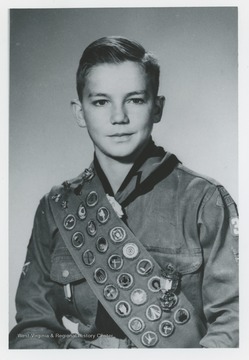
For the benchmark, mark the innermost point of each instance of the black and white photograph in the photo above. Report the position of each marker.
(123, 178)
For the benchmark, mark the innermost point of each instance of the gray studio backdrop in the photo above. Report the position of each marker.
(197, 48)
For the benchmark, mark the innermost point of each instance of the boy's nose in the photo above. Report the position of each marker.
(119, 116)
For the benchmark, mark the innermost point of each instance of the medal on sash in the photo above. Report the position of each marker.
(169, 281)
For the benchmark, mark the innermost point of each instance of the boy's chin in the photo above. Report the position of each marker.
(126, 157)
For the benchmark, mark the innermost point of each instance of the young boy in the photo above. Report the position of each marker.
(137, 251)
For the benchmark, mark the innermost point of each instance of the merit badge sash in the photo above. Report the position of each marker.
(141, 298)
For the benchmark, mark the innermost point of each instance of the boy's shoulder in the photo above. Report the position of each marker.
(196, 184)
(192, 175)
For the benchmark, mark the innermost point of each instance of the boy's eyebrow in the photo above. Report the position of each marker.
(97, 94)
(138, 92)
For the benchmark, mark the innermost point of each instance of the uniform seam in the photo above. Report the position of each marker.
(194, 174)
(209, 194)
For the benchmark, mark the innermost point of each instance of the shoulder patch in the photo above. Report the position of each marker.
(224, 196)
(234, 226)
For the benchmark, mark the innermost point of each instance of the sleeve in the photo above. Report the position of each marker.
(219, 238)
(37, 311)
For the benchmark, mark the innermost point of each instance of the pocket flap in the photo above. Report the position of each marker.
(63, 268)
(185, 261)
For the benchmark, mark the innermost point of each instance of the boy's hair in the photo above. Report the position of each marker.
(115, 50)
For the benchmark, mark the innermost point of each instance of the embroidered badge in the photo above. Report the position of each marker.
(88, 257)
(82, 212)
(91, 228)
(153, 312)
(78, 240)
(110, 292)
(92, 199)
(103, 215)
(136, 325)
(125, 281)
(181, 316)
(225, 196)
(102, 244)
(144, 267)
(166, 328)
(117, 234)
(149, 338)
(69, 222)
(115, 262)
(123, 308)
(100, 276)
(138, 297)
(154, 284)
(234, 226)
(130, 250)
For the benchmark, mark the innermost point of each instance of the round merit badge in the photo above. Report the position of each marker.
(110, 292)
(102, 244)
(69, 222)
(115, 262)
(103, 215)
(154, 284)
(181, 316)
(88, 257)
(136, 325)
(138, 297)
(145, 267)
(125, 281)
(91, 228)
(78, 240)
(92, 199)
(149, 338)
(123, 308)
(117, 234)
(166, 328)
(100, 276)
(130, 250)
(81, 212)
(153, 312)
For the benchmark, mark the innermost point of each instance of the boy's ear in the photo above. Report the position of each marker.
(158, 109)
(78, 112)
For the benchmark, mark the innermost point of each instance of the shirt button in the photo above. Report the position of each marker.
(65, 273)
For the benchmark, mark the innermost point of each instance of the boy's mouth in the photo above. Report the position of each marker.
(121, 137)
(120, 134)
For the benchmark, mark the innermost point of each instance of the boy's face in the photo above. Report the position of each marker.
(118, 109)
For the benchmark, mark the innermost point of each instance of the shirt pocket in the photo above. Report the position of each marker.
(188, 263)
(63, 268)
(77, 292)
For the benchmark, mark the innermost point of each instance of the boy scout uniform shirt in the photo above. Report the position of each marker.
(183, 219)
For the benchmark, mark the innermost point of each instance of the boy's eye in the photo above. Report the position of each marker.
(137, 101)
(100, 102)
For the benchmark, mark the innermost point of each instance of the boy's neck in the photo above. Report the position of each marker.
(115, 171)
